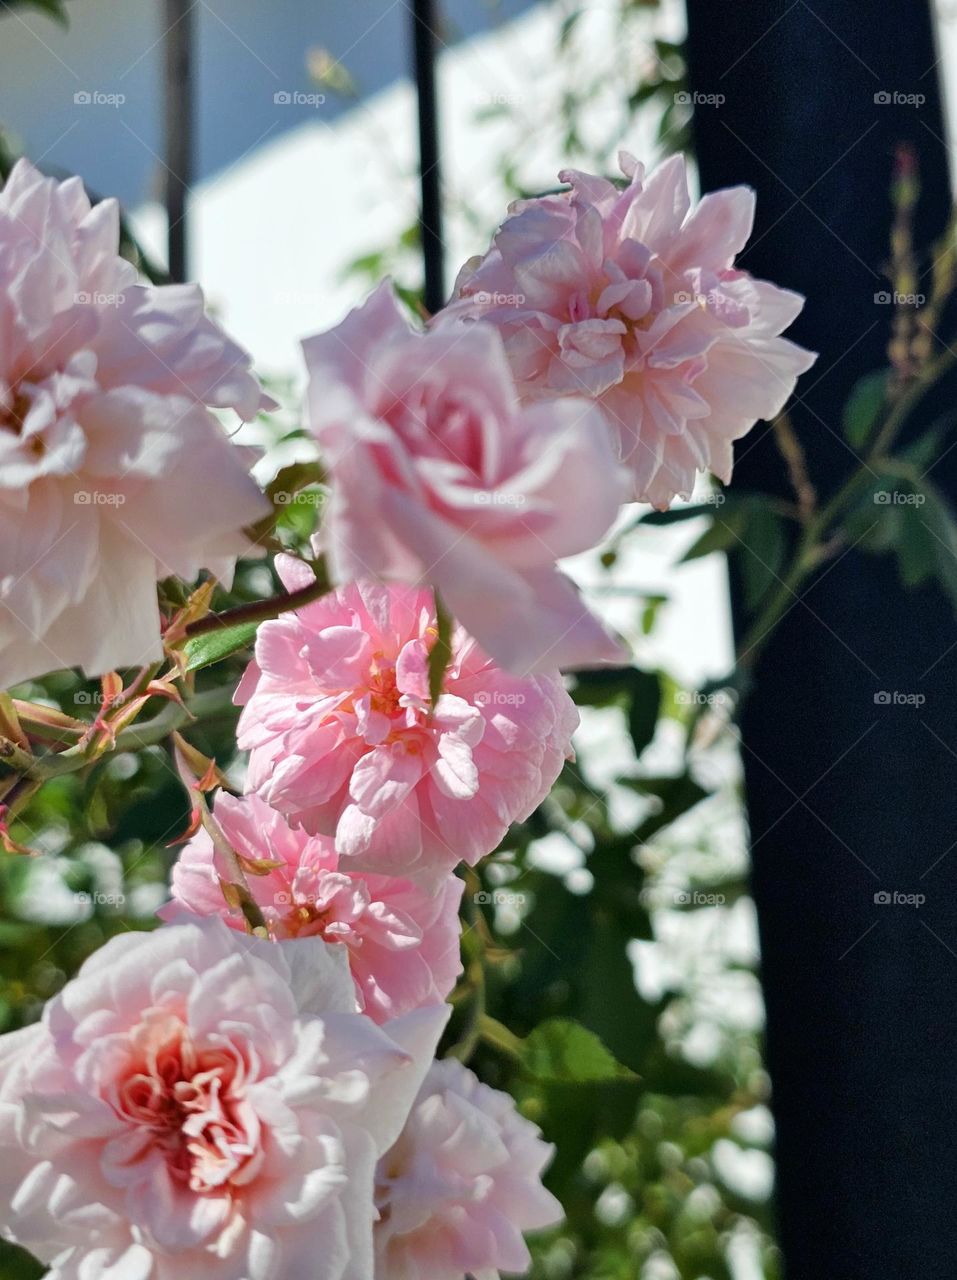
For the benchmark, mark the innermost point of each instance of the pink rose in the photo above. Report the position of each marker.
(401, 942)
(441, 477)
(343, 738)
(632, 297)
(199, 1103)
(461, 1184)
(113, 471)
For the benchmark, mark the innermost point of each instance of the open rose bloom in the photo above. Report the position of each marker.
(105, 438)
(402, 943)
(441, 476)
(461, 1184)
(201, 1104)
(343, 738)
(632, 297)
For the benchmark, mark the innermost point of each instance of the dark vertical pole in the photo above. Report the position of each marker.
(850, 796)
(178, 108)
(425, 19)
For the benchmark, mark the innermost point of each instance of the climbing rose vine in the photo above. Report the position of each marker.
(258, 1088)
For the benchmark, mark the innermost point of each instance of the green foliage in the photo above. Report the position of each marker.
(206, 650)
(902, 513)
(639, 692)
(748, 526)
(864, 406)
(55, 9)
(560, 1051)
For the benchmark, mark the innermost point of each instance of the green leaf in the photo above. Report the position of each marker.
(441, 651)
(283, 490)
(916, 549)
(761, 552)
(649, 614)
(644, 709)
(577, 1118)
(53, 8)
(721, 536)
(904, 513)
(574, 957)
(204, 650)
(604, 686)
(863, 407)
(563, 1051)
(675, 796)
(639, 691)
(292, 479)
(923, 452)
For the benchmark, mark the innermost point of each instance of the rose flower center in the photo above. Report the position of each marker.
(190, 1100)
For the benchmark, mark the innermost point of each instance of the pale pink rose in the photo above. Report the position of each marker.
(344, 741)
(441, 477)
(200, 1103)
(402, 942)
(632, 297)
(461, 1184)
(113, 471)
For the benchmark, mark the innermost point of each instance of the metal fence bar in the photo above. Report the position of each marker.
(425, 20)
(178, 143)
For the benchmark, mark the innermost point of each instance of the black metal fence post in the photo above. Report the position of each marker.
(425, 20)
(178, 143)
(849, 797)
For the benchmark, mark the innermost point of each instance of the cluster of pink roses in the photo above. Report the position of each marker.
(203, 1101)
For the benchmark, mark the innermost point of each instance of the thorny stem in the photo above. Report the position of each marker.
(262, 610)
(252, 912)
(474, 973)
(902, 410)
(812, 545)
(145, 734)
(791, 451)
